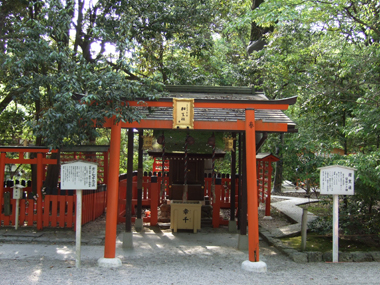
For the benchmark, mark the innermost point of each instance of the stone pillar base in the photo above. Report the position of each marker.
(138, 225)
(243, 242)
(109, 262)
(232, 227)
(127, 238)
(258, 266)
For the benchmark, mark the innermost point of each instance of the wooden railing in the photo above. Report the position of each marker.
(222, 194)
(57, 210)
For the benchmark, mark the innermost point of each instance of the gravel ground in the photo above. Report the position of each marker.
(161, 257)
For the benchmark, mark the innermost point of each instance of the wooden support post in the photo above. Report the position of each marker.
(40, 173)
(243, 208)
(140, 175)
(128, 206)
(216, 204)
(2, 169)
(269, 189)
(112, 192)
(253, 213)
(154, 188)
(233, 178)
(105, 163)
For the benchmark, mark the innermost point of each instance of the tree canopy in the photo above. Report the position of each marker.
(328, 54)
(104, 51)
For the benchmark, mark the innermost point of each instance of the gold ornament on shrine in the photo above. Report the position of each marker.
(229, 143)
(147, 142)
(183, 113)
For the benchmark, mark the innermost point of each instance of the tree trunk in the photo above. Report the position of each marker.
(52, 175)
(308, 188)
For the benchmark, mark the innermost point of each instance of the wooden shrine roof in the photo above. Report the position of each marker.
(217, 95)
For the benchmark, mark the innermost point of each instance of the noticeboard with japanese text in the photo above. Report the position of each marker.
(183, 113)
(79, 175)
(337, 180)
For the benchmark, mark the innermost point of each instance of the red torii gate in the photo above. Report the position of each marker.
(249, 125)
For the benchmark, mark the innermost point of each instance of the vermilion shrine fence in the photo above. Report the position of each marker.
(151, 192)
(59, 210)
(49, 210)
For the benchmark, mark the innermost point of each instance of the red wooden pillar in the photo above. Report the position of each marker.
(252, 199)
(2, 168)
(40, 175)
(112, 192)
(154, 200)
(105, 166)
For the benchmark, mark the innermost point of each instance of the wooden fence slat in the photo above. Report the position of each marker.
(69, 212)
(54, 210)
(30, 212)
(46, 215)
(13, 213)
(62, 206)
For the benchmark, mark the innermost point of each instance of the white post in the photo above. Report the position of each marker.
(78, 233)
(17, 212)
(335, 228)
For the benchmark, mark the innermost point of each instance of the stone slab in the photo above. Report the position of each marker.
(22, 234)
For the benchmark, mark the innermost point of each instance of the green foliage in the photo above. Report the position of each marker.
(367, 179)
(324, 244)
(359, 213)
(51, 55)
(11, 126)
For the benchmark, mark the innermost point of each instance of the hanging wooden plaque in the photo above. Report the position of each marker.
(183, 113)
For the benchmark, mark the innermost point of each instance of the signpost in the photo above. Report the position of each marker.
(336, 180)
(79, 175)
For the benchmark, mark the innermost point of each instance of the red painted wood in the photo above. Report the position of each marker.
(30, 212)
(54, 210)
(61, 211)
(253, 217)
(46, 214)
(216, 207)
(154, 203)
(69, 218)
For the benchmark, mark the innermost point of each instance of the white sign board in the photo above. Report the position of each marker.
(337, 180)
(79, 175)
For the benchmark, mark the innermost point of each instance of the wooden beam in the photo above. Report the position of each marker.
(228, 104)
(26, 149)
(205, 125)
(29, 161)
